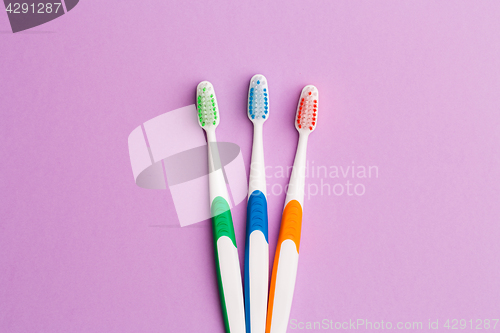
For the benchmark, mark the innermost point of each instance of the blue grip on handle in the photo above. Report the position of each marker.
(256, 220)
(257, 213)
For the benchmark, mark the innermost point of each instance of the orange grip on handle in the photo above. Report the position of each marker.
(291, 224)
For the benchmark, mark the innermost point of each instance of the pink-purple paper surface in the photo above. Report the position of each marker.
(410, 98)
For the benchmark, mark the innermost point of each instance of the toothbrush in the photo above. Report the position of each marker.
(257, 244)
(226, 253)
(287, 250)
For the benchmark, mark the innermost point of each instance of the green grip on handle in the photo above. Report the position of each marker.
(222, 225)
(222, 220)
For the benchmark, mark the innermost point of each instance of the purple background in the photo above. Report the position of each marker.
(410, 86)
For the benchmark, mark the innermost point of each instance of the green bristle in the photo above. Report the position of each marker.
(207, 104)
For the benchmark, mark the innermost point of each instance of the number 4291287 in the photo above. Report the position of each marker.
(39, 8)
(478, 324)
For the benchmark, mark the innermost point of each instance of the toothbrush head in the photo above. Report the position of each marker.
(206, 103)
(258, 99)
(307, 110)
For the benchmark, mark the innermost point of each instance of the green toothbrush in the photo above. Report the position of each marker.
(226, 253)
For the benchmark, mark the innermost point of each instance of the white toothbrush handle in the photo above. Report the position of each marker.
(257, 179)
(216, 178)
(287, 250)
(226, 252)
(256, 246)
(256, 281)
(298, 178)
(229, 279)
(282, 286)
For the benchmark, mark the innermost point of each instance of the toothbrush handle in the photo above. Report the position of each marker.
(256, 263)
(284, 269)
(228, 267)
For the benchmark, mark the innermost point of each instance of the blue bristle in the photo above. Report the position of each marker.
(258, 82)
(263, 116)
